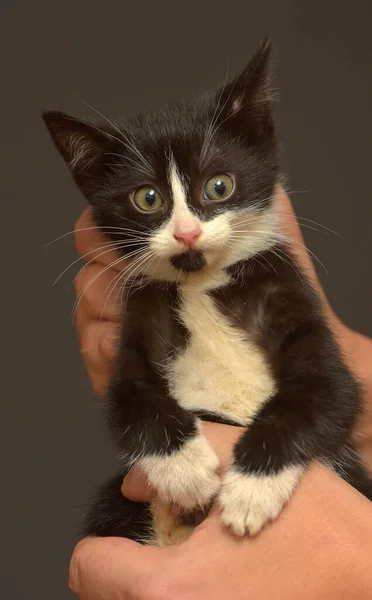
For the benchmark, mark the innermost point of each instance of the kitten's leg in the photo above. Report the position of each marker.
(347, 464)
(157, 435)
(250, 497)
(110, 514)
(262, 478)
(309, 417)
(273, 452)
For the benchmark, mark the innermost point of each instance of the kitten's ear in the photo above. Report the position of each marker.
(248, 95)
(82, 147)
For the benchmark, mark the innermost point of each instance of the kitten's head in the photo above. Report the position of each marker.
(185, 189)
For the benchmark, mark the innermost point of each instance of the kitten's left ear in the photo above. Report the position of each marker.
(248, 95)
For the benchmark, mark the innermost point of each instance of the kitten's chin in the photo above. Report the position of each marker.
(191, 261)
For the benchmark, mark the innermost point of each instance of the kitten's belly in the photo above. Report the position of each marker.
(220, 370)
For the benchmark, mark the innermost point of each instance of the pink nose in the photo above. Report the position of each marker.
(188, 238)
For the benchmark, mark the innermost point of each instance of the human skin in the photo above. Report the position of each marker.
(320, 546)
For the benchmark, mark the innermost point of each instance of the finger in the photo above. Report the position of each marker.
(102, 568)
(99, 292)
(222, 438)
(90, 244)
(135, 487)
(98, 341)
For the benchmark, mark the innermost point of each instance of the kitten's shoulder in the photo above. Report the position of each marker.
(258, 284)
(151, 317)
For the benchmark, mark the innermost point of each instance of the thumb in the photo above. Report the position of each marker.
(102, 568)
(213, 529)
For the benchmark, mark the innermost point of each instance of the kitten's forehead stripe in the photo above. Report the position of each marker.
(177, 184)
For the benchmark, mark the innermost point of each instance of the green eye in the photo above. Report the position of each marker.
(218, 187)
(147, 199)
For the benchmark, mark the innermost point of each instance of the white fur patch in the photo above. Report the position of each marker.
(221, 369)
(248, 502)
(178, 188)
(186, 477)
(182, 219)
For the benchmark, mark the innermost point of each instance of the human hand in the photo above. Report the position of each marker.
(98, 313)
(319, 548)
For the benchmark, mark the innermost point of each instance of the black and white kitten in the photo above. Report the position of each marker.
(221, 326)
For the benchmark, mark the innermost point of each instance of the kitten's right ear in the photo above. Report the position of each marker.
(247, 98)
(82, 147)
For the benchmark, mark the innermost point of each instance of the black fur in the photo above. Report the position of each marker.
(110, 514)
(313, 412)
(191, 261)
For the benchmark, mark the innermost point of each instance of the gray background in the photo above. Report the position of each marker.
(123, 55)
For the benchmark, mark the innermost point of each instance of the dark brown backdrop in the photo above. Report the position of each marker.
(122, 55)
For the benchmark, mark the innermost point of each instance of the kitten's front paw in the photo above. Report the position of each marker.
(248, 502)
(186, 477)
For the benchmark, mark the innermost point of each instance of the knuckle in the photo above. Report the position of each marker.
(80, 565)
(82, 226)
(87, 564)
(162, 586)
(88, 342)
(84, 278)
(99, 384)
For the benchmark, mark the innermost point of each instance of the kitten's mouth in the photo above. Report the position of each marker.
(191, 261)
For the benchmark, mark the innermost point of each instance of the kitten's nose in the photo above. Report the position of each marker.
(188, 237)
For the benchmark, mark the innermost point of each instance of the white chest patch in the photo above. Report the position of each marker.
(220, 370)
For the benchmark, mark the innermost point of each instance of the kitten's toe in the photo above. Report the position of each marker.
(186, 477)
(248, 502)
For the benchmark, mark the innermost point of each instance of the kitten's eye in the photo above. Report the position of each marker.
(148, 199)
(218, 187)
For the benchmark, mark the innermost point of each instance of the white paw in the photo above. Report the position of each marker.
(186, 477)
(248, 502)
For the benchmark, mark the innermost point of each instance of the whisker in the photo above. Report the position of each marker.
(110, 247)
(140, 263)
(134, 281)
(110, 231)
(257, 260)
(102, 271)
(298, 218)
(289, 260)
(134, 252)
(269, 263)
(126, 141)
(120, 275)
(210, 124)
(213, 128)
(289, 242)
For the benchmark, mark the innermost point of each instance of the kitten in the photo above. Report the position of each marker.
(219, 324)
